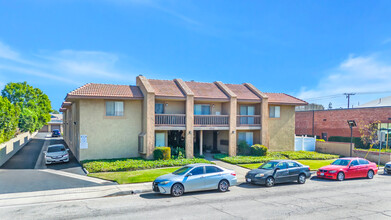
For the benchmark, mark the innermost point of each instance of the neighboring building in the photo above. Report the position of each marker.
(54, 123)
(333, 122)
(309, 107)
(381, 102)
(120, 121)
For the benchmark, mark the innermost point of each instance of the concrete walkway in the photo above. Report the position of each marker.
(240, 171)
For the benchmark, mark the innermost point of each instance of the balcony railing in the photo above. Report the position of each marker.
(211, 120)
(248, 120)
(170, 119)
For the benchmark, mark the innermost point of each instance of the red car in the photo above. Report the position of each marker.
(348, 168)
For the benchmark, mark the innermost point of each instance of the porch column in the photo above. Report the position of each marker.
(189, 136)
(200, 142)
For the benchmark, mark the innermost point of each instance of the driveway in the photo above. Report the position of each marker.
(26, 170)
(27, 157)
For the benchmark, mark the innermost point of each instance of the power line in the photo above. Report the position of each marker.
(339, 95)
(348, 97)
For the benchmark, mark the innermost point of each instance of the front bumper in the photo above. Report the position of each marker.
(164, 189)
(49, 160)
(255, 180)
(326, 175)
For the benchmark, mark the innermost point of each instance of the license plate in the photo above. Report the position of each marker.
(322, 174)
(248, 180)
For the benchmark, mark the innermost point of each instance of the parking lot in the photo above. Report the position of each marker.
(26, 170)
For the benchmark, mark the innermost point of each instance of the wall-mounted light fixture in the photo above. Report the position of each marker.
(74, 122)
(189, 132)
(233, 132)
(213, 105)
(166, 104)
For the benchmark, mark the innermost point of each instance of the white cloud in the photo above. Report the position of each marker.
(65, 66)
(357, 74)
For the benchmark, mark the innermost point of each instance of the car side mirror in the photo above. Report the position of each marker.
(189, 174)
(44, 152)
(67, 150)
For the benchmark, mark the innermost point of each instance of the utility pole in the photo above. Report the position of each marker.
(348, 97)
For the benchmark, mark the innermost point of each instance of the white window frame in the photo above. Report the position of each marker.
(202, 105)
(275, 111)
(160, 139)
(118, 112)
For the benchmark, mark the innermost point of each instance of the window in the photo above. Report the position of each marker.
(159, 108)
(197, 171)
(274, 112)
(114, 108)
(246, 136)
(292, 165)
(201, 109)
(362, 161)
(212, 169)
(282, 165)
(354, 163)
(247, 110)
(160, 139)
(340, 162)
(181, 171)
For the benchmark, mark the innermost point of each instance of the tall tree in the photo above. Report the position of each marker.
(8, 119)
(34, 104)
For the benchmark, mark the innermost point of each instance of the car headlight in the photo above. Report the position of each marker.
(164, 182)
(332, 171)
(259, 175)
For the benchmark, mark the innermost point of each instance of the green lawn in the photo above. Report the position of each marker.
(314, 164)
(139, 176)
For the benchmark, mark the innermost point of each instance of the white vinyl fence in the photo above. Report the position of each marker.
(305, 143)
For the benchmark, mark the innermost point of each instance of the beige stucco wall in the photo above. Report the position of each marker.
(282, 130)
(329, 147)
(110, 137)
(173, 107)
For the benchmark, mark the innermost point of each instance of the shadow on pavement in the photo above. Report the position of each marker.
(165, 196)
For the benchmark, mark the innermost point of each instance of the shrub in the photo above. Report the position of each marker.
(308, 155)
(243, 148)
(162, 153)
(320, 140)
(258, 150)
(131, 164)
(178, 152)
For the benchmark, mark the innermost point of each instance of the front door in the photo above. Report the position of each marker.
(354, 170)
(294, 170)
(196, 181)
(213, 175)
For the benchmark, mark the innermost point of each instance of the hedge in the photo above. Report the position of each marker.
(258, 150)
(130, 164)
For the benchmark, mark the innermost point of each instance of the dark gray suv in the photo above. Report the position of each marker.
(279, 171)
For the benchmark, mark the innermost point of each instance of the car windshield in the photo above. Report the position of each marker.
(181, 171)
(269, 165)
(56, 149)
(340, 162)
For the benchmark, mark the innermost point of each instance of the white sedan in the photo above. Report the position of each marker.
(56, 154)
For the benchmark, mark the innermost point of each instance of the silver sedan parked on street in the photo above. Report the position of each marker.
(195, 177)
(56, 154)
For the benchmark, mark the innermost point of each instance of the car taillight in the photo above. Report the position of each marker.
(233, 174)
(309, 168)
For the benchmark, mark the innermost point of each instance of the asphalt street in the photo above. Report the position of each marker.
(317, 199)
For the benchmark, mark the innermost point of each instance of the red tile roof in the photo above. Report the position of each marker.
(166, 88)
(282, 98)
(94, 90)
(242, 92)
(206, 90)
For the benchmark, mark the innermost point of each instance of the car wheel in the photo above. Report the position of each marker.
(301, 179)
(223, 186)
(270, 181)
(340, 176)
(370, 174)
(177, 190)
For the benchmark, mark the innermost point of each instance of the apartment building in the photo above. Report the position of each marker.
(103, 121)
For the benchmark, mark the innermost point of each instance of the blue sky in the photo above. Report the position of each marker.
(315, 50)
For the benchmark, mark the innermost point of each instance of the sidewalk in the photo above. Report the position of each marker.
(42, 197)
(240, 171)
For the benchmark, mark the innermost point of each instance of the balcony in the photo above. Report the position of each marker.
(178, 120)
(248, 120)
(211, 120)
